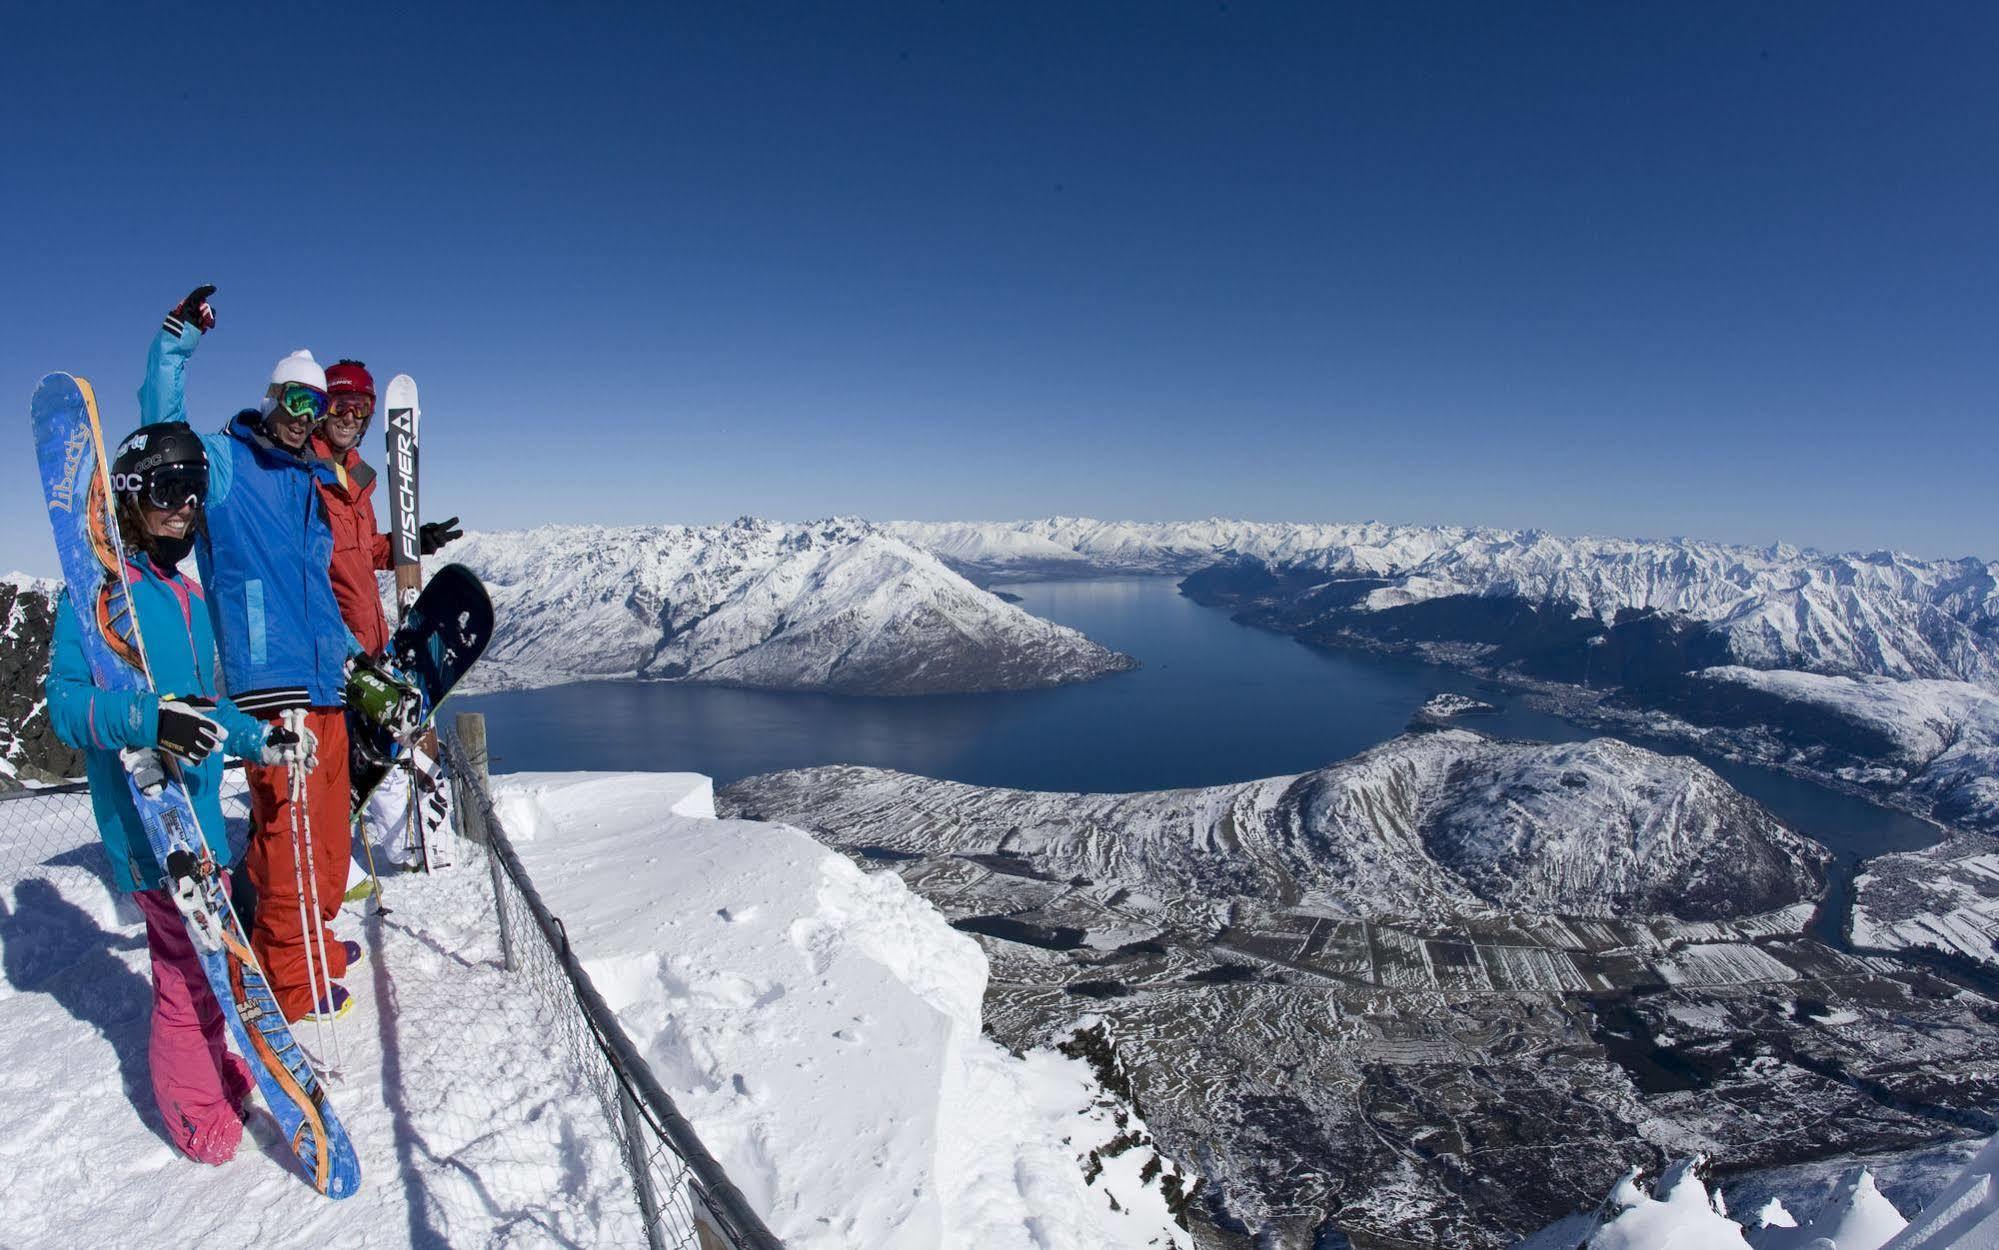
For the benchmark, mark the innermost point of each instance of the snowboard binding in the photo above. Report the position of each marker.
(384, 699)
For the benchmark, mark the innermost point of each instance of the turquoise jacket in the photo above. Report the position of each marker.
(264, 551)
(180, 649)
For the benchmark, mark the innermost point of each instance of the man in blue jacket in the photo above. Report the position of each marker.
(263, 552)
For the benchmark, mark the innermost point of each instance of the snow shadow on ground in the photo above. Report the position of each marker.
(49, 945)
(422, 1234)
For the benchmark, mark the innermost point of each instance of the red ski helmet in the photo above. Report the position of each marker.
(349, 376)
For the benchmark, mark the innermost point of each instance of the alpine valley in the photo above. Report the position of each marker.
(1444, 993)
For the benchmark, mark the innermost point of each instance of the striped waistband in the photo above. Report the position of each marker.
(272, 700)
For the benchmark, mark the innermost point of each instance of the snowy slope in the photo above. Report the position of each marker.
(821, 1028)
(1944, 897)
(471, 1127)
(833, 605)
(1965, 1216)
(1945, 734)
(1682, 1214)
(1880, 613)
(28, 581)
(1678, 1215)
(1854, 1216)
(1425, 824)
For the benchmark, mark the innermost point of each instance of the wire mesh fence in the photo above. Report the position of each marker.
(495, 1097)
(685, 1198)
(49, 833)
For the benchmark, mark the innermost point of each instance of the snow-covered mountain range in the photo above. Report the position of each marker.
(1774, 607)
(835, 605)
(1449, 822)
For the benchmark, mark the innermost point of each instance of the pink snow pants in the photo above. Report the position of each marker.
(197, 1082)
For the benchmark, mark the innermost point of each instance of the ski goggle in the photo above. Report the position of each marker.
(176, 486)
(353, 406)
(306, 403)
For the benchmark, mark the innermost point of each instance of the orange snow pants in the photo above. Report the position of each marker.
(277, 935)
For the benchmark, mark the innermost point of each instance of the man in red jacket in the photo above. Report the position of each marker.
(360, 549)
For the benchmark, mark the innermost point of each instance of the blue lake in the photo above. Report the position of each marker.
(1215, 702)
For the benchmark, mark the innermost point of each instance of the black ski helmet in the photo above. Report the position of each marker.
(163, 464)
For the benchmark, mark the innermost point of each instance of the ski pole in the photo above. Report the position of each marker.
(416, 821)
(293, 720)
(413, 850)
(319, 923)
(360, 826)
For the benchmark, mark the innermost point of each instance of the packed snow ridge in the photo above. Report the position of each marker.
(819, 1027)
(1682, 1213)
(837, 605)
(1426, 824)
(1778, 607)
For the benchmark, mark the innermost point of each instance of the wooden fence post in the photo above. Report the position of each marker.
(474, 792)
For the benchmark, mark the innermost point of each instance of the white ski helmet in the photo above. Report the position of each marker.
(297, 367)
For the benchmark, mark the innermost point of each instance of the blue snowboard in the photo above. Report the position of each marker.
(69, 444)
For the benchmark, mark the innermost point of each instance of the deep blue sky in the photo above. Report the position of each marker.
(1723, 270)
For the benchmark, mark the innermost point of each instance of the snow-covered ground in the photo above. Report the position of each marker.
(470, 1131)
(818, 1025)
(1965, 1216)
(1445, 705)
(29, 582)
(1945, 898)
(821, 1028)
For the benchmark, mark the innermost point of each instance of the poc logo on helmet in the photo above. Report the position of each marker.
(128, 483)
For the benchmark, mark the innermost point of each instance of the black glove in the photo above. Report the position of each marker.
(194, 309)
(430, 537)
(184, 732)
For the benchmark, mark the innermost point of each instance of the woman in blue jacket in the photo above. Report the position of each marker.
(160, 478)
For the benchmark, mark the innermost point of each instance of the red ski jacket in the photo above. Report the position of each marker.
(359, 548)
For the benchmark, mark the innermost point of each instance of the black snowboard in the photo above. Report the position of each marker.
(445, 631)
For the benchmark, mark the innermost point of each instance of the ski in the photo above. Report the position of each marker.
(403, 431)
(444, 633)
(76, 482)
(405, 546)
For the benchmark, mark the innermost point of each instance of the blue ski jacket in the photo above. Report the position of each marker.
(180, 650)
(264, 550)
